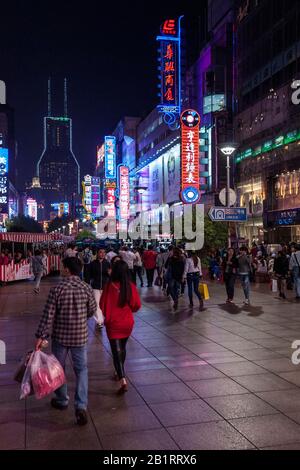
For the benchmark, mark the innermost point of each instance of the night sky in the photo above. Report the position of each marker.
(108, 52)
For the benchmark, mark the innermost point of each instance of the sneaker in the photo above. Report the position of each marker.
(247, 302)
(99, 326)
(123, 386)
(37, 291)
(58, 406)
(81, 417)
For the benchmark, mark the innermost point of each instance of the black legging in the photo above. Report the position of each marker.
(118, 349)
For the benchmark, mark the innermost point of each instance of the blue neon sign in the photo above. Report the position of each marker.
(4, 185)
(110, 157)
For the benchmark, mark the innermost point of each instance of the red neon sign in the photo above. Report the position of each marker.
(190, 165)
(169, 27)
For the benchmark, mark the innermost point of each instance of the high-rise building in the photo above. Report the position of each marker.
(57, 167)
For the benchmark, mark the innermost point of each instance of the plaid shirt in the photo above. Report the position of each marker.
(68, 307)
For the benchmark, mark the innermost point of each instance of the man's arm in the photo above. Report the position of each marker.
(47, 318)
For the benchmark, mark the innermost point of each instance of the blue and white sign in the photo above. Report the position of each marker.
(228, 214)
(110, 157)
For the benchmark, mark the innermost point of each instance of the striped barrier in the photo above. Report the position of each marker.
(21, 271)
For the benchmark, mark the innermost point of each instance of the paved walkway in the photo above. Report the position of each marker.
(220, 379)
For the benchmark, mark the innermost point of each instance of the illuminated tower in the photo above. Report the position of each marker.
(58, 168)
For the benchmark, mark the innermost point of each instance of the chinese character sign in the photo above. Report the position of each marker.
(95, 195)
(169, 55)
(110, 157)
(124, 192)
(4, 184)
(190, 165)
(110, 206)
(87, 193)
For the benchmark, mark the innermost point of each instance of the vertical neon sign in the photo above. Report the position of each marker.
(190, 165)
(170, 70)
(124, 192)
(110, 157)
(4, 181)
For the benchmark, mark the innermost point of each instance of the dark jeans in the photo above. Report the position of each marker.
(79, 360)
(193, 280)
(150, 276)
(174, 287)
(132, 275)
(118, 349)
(229, 283)
(138, 270)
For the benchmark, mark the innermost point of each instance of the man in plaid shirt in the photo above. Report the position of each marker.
(67, 310)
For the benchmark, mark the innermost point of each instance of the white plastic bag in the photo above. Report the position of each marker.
(26, 384)
(47, 374)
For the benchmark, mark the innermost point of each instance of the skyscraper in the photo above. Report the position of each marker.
(58, 169)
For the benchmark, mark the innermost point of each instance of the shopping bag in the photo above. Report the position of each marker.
(26, 384)
(274, 285)
(158, 281)
(203, 289)
(47, 374)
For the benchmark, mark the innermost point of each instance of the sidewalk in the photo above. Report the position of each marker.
(220, 379)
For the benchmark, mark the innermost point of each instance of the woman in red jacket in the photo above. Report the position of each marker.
(119, 300)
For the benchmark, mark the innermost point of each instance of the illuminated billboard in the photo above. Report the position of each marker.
(100, 155)
(190, 165)
(31, 205)
(110, 157)
(61, 208)
(4, 185)
(87, 193)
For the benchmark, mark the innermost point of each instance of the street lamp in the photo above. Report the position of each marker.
(228, 150)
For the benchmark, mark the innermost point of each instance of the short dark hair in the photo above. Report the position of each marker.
(36, 252)
(73, 264)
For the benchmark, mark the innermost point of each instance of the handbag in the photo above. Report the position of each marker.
(158, 281)
(203, 289)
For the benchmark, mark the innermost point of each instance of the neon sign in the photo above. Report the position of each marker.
(111, 199)
(4, 185)
(124, 192)
(95, 195)
(110, 157)
(190, 165)
(170, 70)
(87, 193)
(100, 155)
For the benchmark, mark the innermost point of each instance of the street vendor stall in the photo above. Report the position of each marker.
(22, 270)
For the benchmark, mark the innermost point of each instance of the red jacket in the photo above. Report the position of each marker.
(4, 261)
(119, 321)
(149, 259)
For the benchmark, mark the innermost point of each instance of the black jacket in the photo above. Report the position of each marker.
(281, 265)
(98, 273)
(175, 266)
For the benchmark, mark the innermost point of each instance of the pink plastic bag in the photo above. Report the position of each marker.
(46, 374)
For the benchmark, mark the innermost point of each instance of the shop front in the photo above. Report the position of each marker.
(251, 195)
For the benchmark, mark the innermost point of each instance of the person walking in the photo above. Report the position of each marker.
(71, 251)
(129, 257)
(138, 266)
(110, 254)
(281, 269)
(175, 271)
(119, 301)
(149, 261)
(37, 269)
(99, 273)
(193, 273)
(230, 267)
(244, 271)
(68, 307)
(87, 258)
(294, 267)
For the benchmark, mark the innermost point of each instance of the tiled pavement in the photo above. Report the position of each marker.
(220, 379)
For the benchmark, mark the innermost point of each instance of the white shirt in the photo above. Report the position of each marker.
(128, 257)
(190, 267)
(138, 260)
(110, 255)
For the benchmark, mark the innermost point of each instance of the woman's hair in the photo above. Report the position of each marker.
(120, 273)
(195, 259)
(177, 253)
